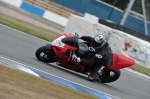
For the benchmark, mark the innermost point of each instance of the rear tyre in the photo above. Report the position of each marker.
(45, 55)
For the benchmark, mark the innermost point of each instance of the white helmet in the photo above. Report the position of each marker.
(99, 41)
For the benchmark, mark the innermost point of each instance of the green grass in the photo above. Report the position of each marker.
(141, 69)
(28, 28)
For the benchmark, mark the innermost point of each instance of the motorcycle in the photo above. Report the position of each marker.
(64, 46)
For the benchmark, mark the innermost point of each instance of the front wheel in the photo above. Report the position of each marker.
(45, 55)
(110, 76)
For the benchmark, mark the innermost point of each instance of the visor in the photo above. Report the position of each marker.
(95, 44)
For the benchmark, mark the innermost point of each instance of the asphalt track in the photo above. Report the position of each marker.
(21, 47)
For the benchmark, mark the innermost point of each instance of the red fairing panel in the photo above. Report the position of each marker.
(121, 61)
(65, 60)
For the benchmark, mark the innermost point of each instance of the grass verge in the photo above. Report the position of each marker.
(41, 18)
(28, 28)
(141, 69)
(47, 35)
(18, 85)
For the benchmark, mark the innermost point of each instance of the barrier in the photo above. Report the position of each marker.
(119, 41)
(33, 9)
(38, 11)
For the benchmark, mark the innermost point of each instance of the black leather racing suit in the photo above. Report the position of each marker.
(103, 55)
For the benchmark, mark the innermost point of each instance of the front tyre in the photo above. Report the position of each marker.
(45, 55)
(111, 76)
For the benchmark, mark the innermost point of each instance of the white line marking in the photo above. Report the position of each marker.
(27, 70)
(137, 74)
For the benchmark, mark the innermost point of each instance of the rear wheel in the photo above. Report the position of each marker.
(110, 76)
(45, 55)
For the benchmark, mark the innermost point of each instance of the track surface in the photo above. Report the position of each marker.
(21, 47)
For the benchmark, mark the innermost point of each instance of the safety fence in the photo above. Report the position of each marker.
(54, 7)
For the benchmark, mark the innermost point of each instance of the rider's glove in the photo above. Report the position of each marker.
(79, 36)
(75, 58)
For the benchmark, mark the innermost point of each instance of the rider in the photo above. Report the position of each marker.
(103, 55)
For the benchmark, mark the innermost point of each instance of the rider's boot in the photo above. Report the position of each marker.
(101, 70)
(94, 74)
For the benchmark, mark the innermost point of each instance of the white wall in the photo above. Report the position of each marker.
(119, 41)
(55, 18)
(16, 3)
(91, 18)
(84, 27)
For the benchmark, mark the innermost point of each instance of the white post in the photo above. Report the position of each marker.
(144, 13)
(127, 12)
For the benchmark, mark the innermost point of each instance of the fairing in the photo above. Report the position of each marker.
(60, 49)
(121, 61)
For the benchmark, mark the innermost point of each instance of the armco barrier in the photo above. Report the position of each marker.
(120, 42)
(38, 11)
